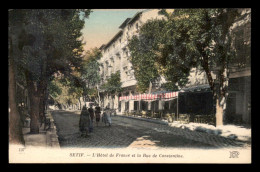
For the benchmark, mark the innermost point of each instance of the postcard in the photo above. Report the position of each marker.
(150, 86)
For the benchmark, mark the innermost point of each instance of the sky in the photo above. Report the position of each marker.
(102, 25)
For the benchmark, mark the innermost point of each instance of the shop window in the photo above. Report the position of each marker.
(155, 106)
(144, 105)
(136, 105)
(173, 105)
(167, 105)
(119, 106)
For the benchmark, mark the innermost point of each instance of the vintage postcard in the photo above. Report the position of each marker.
(130, 86)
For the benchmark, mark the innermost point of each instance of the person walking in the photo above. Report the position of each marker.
(84, 122)
(97, 114)
(91, 112)
(107, 116)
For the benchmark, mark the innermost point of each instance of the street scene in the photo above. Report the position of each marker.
(144, 79)
(126, 132)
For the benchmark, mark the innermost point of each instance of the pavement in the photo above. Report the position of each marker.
(138, 133)
(46, 138)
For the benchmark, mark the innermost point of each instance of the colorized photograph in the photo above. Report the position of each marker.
(129, 85)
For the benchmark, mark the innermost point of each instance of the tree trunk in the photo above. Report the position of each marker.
(98, 97)
(79, 104)
(42, 101)
(34, 127)
(219, 113)
(15, 126)
(221, 93)
(34, 104)
(42, 110)
(219, 87)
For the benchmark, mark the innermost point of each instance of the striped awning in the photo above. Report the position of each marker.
(169, 95)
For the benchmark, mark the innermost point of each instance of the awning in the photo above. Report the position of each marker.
(152, 96)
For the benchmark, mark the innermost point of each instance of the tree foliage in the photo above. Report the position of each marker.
(149, 56)
(113, 84)
(64, 91)
(187, 38)
(45, 41)
(89, 73)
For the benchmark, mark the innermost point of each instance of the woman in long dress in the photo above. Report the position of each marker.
(84, 122)
(107, 116)
(97, 114)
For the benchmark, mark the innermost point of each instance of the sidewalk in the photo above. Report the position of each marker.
(235, 132)
(46, 138)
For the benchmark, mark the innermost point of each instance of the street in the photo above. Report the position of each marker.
(126, 132)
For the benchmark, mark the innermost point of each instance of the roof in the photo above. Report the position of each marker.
(122, 26)
(136, 16)
(102, 46)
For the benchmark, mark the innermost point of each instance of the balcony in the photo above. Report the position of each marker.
(125, 63)
(124, 44)
(129, 82)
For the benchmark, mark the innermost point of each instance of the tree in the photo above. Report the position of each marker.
(15, 126)
(89, 73)
(64, 91)
(48, 42)
(142, 58)
(113, 84)
(194, 38)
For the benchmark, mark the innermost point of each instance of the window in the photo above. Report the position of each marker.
(167, 105)
(126, 106)
(144, 105)
(136, 105)
(119, 106)
(242, 43)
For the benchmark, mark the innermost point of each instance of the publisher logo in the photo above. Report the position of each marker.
(234, 154)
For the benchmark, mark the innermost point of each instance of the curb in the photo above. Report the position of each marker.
(51, 135)
(145, 119)
(166, 123)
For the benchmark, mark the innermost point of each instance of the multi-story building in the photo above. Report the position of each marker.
(115, 56)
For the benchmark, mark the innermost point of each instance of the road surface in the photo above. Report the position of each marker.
(127, 132)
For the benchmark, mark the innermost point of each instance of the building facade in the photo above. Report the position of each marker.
(239, 88)
(115, 57)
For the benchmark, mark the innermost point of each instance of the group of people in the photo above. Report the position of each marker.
(87, 118)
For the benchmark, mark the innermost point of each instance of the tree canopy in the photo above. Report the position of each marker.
(89, 72)
(113, 84)
(185, 39)
(45, 42)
